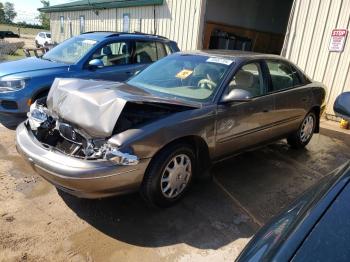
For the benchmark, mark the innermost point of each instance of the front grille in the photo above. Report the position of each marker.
(11, 105)
(68, 147)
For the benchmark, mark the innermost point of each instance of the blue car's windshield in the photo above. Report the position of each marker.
(190, 77)
(70, 51)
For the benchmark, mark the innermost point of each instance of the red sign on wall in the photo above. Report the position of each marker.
(338, 40)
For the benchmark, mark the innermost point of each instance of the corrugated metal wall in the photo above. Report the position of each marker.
(104, 21)
(307, 44)
(179, 20)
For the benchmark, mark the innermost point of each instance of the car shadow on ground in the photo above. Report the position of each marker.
(204, 219)
(247, 191)
(11, 121)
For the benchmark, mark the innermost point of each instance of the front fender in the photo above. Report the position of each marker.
(147, 140)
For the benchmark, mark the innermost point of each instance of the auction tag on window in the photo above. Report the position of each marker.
(220, 60)
(183, 74)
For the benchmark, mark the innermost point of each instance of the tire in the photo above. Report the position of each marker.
(303, 135)
(37, 44)
(157, 178)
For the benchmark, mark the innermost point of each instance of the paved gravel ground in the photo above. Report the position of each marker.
(213, 223)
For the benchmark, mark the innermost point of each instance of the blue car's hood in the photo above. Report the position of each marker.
(27, 65)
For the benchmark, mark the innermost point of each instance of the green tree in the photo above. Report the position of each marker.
(10, 13)
(43, 17)
(2, 13)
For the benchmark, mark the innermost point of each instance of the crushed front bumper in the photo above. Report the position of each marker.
(79, 177)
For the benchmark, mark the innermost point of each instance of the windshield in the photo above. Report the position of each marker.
(190, 77)
(70, 51)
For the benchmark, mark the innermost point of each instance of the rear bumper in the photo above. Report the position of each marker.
(82, 178)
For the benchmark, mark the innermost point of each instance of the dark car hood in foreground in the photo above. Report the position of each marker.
(281, 237)
(26, 65)
(95, 106)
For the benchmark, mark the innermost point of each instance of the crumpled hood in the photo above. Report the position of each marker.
(26, 65)
(94, 105)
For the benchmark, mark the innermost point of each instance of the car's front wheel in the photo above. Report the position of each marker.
(303, 135)
(169, 175)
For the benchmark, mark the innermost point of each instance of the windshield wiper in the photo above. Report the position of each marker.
(48, 59)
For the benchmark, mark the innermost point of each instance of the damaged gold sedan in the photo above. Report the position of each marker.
(168, 124)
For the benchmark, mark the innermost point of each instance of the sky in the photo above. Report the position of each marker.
(27, 9)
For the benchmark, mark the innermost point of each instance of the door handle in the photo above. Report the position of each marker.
(129, 73)
(265, 110)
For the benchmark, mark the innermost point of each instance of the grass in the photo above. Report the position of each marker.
(19, 55)
(26, 31)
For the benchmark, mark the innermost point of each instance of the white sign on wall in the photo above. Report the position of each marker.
(338, 40)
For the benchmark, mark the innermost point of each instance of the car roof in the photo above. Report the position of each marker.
(99, 36)
(234, 54)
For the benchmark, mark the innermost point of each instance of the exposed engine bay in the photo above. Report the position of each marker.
(75, 126)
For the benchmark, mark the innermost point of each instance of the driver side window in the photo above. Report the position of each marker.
(112, 54)
(248, 78)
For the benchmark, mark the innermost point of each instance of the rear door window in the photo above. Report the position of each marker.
(116, 53)
(160, 50)
(168, 49)
(283, 75)
(145, 52)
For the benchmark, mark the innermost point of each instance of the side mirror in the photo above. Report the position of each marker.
(96, 63)
(342, 106)
(237, 95)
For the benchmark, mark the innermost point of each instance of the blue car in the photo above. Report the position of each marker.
(93, 55)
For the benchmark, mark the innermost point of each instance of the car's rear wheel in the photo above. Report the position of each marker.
(169, 175)
(303, 135)
(37, 44)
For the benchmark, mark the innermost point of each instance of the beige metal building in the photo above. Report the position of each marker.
(309, 43)
(302, 27)
(176, 19)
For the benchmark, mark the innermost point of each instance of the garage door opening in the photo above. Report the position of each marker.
(249, 25)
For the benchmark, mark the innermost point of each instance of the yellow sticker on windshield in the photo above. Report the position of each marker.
(183, 74)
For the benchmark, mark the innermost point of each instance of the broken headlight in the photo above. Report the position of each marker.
(115, 155)
(38, 117)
